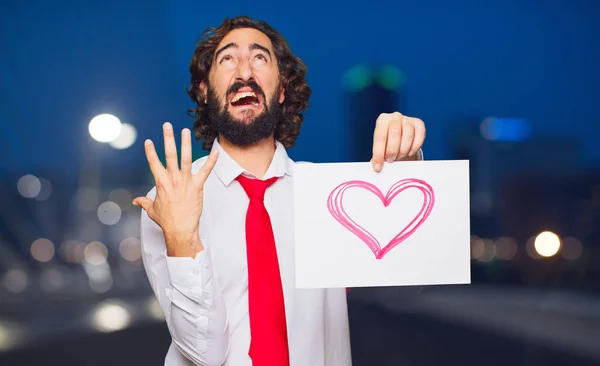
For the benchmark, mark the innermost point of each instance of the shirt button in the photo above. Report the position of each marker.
(195, 271)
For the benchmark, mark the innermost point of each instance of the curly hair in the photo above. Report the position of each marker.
(292, 77)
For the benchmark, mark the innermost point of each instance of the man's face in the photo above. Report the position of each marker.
(244, 94)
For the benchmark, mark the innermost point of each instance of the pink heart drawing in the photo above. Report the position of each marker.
(336, 208)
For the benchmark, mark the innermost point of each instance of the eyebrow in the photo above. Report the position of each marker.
(229, 45)
(256, 46)
(253, 46)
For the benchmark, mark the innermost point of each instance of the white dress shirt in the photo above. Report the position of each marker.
(205, 299)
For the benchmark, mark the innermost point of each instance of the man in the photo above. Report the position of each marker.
(217, 234)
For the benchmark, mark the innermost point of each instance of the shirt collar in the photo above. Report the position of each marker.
(228, 169)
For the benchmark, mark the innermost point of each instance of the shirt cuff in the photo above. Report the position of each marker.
(420, 155)
(186, 272)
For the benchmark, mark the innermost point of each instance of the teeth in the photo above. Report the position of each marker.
(241, 95)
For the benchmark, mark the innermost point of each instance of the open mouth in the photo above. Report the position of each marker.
(246, 98)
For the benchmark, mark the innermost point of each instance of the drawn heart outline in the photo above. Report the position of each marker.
(336, 209)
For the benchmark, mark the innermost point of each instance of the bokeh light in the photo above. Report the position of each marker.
(72, 250)
(52, 280)
(358, 78)
(42, 250)
(105, 128)
(391, 77)
(45, 190)
(126, 137)
(99, 275)
(547, 244)
(4, 337)
(505, 129)
(477, 247)
(571, 248)
(95, 253)
(121, 197)
(109, 317)
(130, 249)
(10, 336)
(15, 280)
(154, 309)
(109, 213)
(506, 248)
(29, 186)
(489, 251)
(101, 286)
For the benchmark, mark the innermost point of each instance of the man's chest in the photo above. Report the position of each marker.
(223, 227)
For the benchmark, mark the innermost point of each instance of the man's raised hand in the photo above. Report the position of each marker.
(177, 206)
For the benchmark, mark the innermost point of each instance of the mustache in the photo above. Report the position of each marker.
(252, 84)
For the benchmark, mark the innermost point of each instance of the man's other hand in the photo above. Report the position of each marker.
(396, 137)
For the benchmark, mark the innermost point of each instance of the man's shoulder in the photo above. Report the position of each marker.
(293, 163)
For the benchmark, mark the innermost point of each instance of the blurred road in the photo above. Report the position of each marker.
(402, 327)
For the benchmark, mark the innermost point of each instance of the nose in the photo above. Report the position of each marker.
(244, 71)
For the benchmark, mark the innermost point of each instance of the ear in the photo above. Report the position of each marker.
(204, 91)
(281, 95)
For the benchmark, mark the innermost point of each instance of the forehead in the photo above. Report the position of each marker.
(244, 37)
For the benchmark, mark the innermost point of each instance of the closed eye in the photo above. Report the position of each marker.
(225, 58)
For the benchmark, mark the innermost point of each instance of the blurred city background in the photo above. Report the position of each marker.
(510, 85)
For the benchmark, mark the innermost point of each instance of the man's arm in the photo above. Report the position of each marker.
(187, 293)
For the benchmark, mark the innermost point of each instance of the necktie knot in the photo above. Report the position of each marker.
(255, 188)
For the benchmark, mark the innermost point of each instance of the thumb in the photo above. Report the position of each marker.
(143, 202)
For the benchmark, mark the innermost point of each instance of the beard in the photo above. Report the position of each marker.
(254, 128)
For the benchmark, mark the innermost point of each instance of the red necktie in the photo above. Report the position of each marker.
(268, 329)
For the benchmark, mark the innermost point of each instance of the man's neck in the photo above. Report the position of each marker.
(255, 159)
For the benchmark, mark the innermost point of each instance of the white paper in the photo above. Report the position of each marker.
(433, 195)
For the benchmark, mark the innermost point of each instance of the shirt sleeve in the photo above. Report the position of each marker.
(188, 296)
(337, 329)
(420, 155)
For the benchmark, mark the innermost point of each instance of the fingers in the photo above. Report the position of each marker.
(208, 166)
(408, 134)
(419, 137)
(395, 133)
(186, 152)
(170, 148)
(396, 137)
(143, 202)
(379, 144)
(156, 166)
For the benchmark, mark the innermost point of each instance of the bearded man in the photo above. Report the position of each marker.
(217, 233)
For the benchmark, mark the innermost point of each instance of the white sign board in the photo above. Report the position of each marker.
(406, 225)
